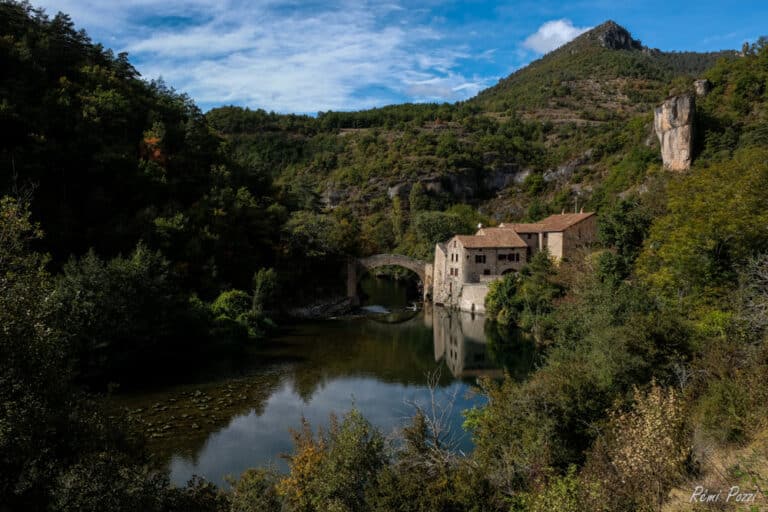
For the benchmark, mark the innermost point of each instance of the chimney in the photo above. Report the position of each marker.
(582, 210)
(562, 212)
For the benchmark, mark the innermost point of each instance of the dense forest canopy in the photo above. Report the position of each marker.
(133, 226)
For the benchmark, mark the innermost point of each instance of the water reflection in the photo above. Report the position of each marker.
(378, 364)
(459, 340)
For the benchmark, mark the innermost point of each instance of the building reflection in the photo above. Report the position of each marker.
(460, 340)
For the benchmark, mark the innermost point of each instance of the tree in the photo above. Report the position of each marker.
(434, 227)
(624, 226)
(500, 302)
(264, 289)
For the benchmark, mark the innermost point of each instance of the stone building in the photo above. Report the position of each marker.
(465, 264)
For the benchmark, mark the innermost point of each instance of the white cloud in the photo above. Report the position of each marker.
(553, 34)
(287, 56)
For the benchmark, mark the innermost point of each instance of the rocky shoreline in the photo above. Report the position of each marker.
(322, 309)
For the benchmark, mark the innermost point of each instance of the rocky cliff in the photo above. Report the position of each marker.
(673, 123)
(615, 37)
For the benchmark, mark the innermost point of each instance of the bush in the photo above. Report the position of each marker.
(231, 304)
(644, 452)
(334, 470)
(500, 302)
(255, 491)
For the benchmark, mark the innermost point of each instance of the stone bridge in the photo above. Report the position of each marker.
(357, 268)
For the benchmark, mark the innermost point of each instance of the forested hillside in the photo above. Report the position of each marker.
(571, 128)
(134, 227)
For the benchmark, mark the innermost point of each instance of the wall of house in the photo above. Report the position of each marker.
(472, 297)
(532, 241)
(446, 286)
(473, 271)
(439, 273)
(554, 244)
(579, 235)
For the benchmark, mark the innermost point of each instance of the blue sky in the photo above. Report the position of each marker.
(310, 56)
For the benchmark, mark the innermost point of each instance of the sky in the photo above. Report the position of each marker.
(308, 56)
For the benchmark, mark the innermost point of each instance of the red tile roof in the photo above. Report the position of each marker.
(491, 238)
(564, 220)
(524, 228)
(559, 222)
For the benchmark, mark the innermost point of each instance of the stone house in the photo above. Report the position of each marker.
(465, 264)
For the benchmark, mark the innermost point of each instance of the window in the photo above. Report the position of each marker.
(479, 258)
(486, 272)
(517, 257)
(529, 236)
(502, 257)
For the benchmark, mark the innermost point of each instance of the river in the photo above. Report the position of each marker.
(240, 413)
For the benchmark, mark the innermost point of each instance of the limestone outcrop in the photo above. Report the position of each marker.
(673, 123)
(702, 87)
(615, 37)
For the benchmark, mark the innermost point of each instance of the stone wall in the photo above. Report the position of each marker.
(583, 233)
(472, 297)
(440, 273)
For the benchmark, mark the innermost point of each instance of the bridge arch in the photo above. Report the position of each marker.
(357, 268)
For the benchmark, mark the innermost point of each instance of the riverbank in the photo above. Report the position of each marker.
(321, 309)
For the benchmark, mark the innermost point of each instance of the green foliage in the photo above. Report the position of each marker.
(317, 235)
(631, 169)
(534, 184)
(566, 73)
(527, 299)
(231, 304)
(255, 491)
(265, 285)
(715, 221)
(238, 316)
(115, 313)
(237, 198)
(60, 452)
(377, 234)
(602, 340)
(418, 199)
(643, 452)
(434, 227)
(501, 302)
(334, 470)
(566, 493)
(623, 227)
(104, 481)
(427, 476)
(515, 435)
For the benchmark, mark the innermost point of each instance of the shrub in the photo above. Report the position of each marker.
(255, 491)
(334, 470)
(644, 452)
(231, 304)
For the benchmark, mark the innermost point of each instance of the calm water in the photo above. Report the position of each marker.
(241, 415)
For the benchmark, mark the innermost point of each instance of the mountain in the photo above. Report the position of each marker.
(573, 126)
(603, 72)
